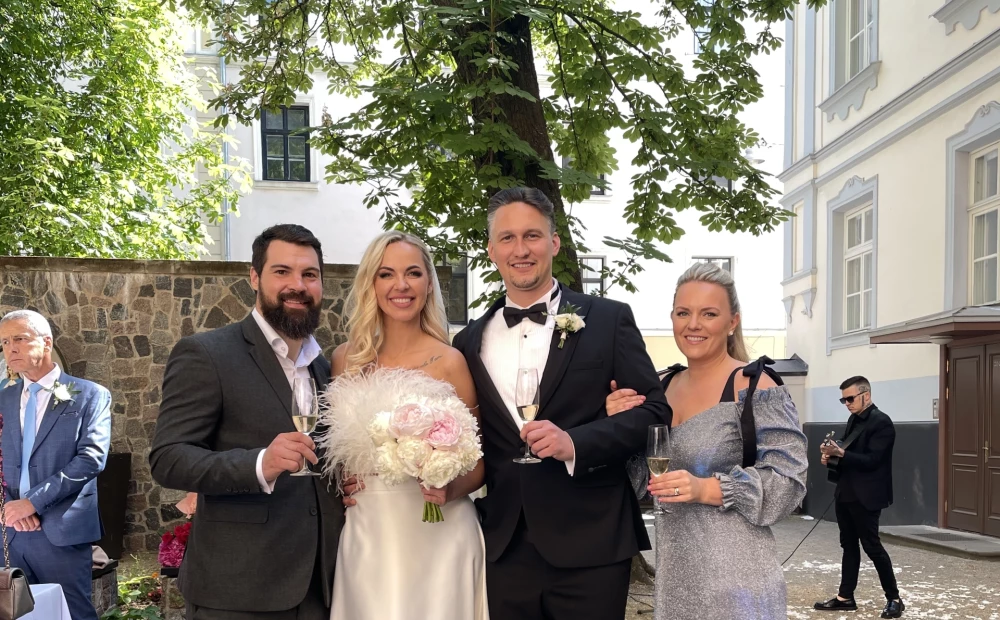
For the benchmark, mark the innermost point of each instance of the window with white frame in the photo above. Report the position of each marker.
(592, 274)
(983, 211)
(285, 144)
(726, 262)
(858, 267)
(855, 37)
(701, 34)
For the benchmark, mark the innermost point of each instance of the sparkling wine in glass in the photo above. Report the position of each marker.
(305, 414)
(658, 457)
(526, 400)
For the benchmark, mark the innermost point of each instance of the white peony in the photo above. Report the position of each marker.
(388, 465)
(468, 448)
(378, 428)
(570, 322)
(442, 467)
(412, 453)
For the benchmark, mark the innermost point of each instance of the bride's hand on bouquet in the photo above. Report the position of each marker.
(351, 486)
(680, 486)
(435, 496)
(622, 400)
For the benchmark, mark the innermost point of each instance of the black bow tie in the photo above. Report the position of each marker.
(536, 313)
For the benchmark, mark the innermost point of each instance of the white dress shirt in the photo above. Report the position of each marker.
(42, 398)
(297, 368)
(505, 349)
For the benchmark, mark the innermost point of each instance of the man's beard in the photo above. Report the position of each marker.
(294, 324)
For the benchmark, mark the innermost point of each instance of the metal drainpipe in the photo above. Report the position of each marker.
(226, 254)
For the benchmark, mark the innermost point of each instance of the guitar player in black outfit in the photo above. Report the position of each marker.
(861, 465)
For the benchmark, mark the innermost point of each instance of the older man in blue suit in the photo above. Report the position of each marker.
(56, 436)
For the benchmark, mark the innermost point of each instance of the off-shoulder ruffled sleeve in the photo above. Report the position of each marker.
(771, 489)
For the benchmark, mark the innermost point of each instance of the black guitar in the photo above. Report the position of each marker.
(832, 473)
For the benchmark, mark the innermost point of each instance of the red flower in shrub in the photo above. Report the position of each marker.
(172, 545)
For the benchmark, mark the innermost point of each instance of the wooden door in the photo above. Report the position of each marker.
(990, 447)
(966, 406)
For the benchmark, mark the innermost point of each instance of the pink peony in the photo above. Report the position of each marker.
(445, 432)
(410, 420)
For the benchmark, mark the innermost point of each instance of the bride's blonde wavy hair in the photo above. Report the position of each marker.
(365, 320)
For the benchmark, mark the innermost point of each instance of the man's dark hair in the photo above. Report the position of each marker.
(529, 196)
(289, 233)
(862, 384)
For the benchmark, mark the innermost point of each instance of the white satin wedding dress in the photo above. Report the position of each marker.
(393, 566)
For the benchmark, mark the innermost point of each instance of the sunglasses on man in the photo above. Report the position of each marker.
(847, 400)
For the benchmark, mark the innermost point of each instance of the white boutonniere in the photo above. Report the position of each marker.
(62, 392)
(568, 322)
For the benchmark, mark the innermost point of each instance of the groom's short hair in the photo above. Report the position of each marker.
(529, 196)
(289, 233)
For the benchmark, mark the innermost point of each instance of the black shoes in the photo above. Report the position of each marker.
(835, 604)
(893, 609)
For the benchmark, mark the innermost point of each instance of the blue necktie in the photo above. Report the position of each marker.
(28, 437)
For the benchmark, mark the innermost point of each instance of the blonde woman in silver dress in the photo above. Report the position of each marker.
(715, 554)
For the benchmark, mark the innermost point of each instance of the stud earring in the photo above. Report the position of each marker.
(730, 333)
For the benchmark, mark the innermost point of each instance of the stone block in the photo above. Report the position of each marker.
(70, 296)
(146, 290)
(95, 337)
(143, 306)
(130, 383)
(233, 307)
(241, 288)
(115, 283)
(186, 307)
(123, 347)
(187, 327)
(53, 304)
(102, 318)
(142, 347)
(182, 287)
(104, 594)
(216, 318)
(163, 283)
(162, 321)
(118, 312)
(160, 354)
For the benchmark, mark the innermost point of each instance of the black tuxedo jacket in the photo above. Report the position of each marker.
(593, 517)
(866, 468)
(225, 398)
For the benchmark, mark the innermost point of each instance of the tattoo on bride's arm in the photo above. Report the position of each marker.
(430, 361)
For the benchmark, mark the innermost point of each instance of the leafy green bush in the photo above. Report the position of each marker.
(138, 599)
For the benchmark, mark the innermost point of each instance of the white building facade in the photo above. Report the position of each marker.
(892, 127)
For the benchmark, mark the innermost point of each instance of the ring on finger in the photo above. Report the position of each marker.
(677, 491)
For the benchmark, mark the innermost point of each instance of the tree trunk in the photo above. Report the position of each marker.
(527, 119)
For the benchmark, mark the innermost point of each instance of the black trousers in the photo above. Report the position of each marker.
(857, 523)
(522, 585)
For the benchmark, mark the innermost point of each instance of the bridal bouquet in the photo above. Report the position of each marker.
(398, 424)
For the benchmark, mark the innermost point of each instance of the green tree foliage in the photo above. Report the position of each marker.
(451, 107)
(99, 153)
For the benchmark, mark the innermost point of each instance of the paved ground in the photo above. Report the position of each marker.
(933, 586)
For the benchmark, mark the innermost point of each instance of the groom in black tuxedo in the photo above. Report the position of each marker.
(560, 534)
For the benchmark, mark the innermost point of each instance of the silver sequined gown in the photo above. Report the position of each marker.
(720, 562)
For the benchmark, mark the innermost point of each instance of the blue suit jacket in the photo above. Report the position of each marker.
(71, 448)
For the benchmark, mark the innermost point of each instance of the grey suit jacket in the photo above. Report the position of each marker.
(225, 398)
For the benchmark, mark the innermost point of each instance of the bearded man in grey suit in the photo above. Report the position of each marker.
(260, 548)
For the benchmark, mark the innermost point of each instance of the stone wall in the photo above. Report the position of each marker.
(115, 323)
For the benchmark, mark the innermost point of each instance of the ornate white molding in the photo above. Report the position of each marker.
(965, 12)
(985, 118)
(808, 297)
(852, 94)
(789, 303)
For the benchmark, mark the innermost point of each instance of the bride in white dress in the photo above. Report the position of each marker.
(390, 564)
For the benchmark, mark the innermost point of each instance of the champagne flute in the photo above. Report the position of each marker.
(305, 414)
(658, 457)
(526, 399)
